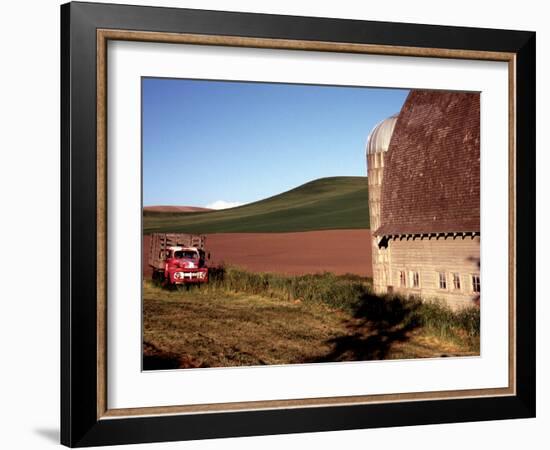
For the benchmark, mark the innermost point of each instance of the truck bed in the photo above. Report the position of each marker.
(161, 241)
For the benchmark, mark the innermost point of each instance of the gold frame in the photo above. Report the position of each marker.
(103, 36)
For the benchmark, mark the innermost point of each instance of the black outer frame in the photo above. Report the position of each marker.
(79, 423)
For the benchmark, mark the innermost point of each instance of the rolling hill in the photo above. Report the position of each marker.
(171, 208)
(325, 204)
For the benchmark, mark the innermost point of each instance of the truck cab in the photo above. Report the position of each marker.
(185, 265)
(178, 258)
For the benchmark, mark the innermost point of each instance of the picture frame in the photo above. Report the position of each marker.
(86, 418)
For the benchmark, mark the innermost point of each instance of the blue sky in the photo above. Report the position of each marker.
(237, 142)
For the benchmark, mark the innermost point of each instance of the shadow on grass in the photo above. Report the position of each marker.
(377, 324)
(157, 359)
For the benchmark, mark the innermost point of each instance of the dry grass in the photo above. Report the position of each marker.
(218, 327)
(229, 329)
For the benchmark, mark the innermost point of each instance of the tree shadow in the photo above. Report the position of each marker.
(157, 359)
(378, 323)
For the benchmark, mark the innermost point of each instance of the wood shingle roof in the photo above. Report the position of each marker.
(432, 167)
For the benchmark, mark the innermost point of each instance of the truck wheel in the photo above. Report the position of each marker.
(158, 278)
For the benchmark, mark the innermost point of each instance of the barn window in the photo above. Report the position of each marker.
(476, 283)
(402, 278)
(415, 279)
(456, 281)
(442, 280)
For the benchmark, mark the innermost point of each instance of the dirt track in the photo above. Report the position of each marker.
(337, 251)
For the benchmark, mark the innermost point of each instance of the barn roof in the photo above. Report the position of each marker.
(431, 174)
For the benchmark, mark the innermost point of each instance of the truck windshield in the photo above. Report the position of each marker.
(185, 254)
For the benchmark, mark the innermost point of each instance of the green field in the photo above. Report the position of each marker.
(333, 203)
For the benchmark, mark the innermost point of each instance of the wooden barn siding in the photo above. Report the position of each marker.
(430, 256)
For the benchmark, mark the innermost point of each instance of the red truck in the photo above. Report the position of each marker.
(178, 259)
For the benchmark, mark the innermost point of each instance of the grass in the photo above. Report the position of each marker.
(242, 318)
(323, 204)
(218, 329)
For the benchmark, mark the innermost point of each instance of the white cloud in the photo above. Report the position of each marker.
(222, 204)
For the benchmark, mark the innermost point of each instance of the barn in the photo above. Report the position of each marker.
(423, 169)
